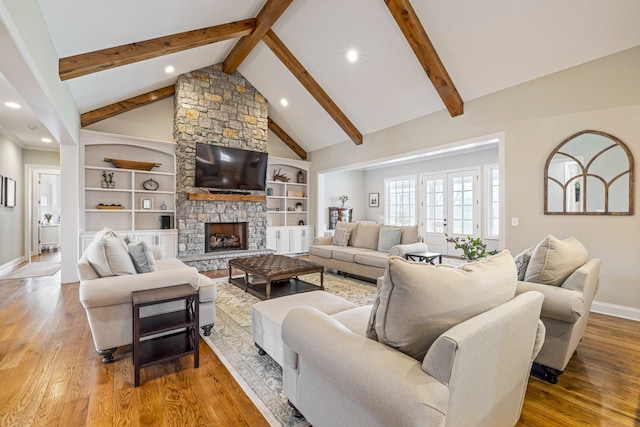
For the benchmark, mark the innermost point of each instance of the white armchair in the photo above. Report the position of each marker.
(107, 299)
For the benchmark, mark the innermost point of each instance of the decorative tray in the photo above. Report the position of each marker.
(132, 164)
(109, 207)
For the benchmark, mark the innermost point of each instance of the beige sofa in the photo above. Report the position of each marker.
(106, 284)
(362, 255)
(559, 269)
(466, 364)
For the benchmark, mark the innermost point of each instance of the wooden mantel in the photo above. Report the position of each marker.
(227, 197)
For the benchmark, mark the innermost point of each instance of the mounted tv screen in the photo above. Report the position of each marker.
(230, 168)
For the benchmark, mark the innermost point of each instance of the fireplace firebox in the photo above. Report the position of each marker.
(226, 236)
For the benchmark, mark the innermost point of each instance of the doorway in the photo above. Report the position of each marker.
(44, 218)
(451, 205)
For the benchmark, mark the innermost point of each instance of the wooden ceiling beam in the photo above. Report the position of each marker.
(296, 68)
(127, 105)
(100, 60)
(267, 16)
(416, 35)
(280, 133)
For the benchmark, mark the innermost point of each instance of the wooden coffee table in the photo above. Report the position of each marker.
(274, 268)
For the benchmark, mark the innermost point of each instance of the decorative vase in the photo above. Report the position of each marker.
(269, 191)
(300, 177)
(163, 206)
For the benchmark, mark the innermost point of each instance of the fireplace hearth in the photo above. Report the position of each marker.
(225, 236)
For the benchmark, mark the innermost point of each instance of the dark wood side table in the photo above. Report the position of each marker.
(179, 328)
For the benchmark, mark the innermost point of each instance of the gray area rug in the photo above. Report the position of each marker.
(32, 269)
(259, 376)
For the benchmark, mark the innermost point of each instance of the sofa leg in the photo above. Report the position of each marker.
(545, 373)
(207, 329)
(107, 355)
(261, 352)
(296, 413)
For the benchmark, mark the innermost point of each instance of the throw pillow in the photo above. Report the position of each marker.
(409, 234)
(367, 236)
(110, 233)
(553, 260)
(418, 301)
(108, 257)
(522, 261)
(142, 257)
(351, 227)
(388, 237)
(341, 237)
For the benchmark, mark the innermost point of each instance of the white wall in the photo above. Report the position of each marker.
(12, 219)
(601, 95)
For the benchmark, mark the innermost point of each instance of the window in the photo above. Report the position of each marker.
(493, 200)
(400, 199)
(462, 204)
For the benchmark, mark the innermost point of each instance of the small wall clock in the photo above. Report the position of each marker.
(150, 184)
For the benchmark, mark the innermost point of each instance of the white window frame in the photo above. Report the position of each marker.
(387, 207)
(488, 201)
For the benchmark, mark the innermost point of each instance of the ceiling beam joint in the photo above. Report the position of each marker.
(267, 16)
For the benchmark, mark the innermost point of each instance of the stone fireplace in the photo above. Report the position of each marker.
(221, 109)
(225, 236)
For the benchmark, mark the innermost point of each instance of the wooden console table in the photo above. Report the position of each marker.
(180, 327)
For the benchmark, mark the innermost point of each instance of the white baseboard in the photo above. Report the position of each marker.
(630, 313)
(11, 264)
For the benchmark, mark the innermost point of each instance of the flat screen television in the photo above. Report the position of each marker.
(228, 168)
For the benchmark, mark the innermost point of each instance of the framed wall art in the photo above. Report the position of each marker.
(147, 203)
(9, 192)
(374, 200)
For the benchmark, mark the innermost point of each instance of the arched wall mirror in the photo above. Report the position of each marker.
(589, 173)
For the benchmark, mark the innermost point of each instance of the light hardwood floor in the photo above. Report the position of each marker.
(50, 374)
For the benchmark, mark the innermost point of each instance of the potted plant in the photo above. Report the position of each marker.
(343, 199)
(299, 206)
(48, 217)
(472, 248)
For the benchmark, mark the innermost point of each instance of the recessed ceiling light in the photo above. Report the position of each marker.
(12, 105)
(352, 55)
(284, 102)
(47, 140)
(169, 69)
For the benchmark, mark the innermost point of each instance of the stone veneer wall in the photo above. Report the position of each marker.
(221, 109)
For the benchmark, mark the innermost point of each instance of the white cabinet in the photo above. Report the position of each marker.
(278, 239)
(300, 239)
(289, 240)
(288, 207)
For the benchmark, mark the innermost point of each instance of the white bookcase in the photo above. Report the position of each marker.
(128, 207)
(288, 228)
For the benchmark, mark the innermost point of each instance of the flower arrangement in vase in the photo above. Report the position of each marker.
(472, 248)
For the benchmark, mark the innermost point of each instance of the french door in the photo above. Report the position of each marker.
(451, 205)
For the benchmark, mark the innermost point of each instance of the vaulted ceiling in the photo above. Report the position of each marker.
(414, 57)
